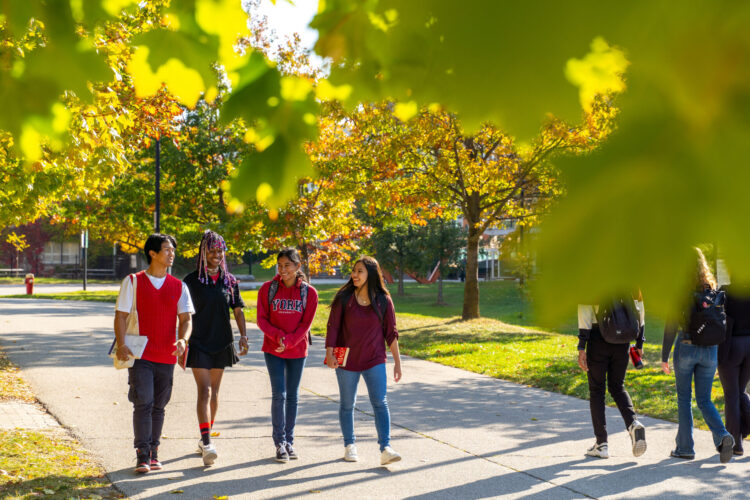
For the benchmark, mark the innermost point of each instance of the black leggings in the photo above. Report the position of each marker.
(607, 366)
(734, 373)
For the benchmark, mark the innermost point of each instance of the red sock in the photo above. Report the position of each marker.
(205, 433)
(212, 424)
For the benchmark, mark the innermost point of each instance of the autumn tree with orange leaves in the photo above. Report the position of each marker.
(427, 166)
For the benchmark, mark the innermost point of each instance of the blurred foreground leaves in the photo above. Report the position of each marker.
(672, 176)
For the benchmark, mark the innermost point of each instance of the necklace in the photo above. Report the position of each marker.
(362, 302)
(212, 271)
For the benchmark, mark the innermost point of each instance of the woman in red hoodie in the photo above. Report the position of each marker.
(286, 308)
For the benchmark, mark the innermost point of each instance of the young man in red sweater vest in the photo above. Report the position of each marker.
(163, 305)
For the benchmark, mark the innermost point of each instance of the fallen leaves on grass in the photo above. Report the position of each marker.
(12, 386)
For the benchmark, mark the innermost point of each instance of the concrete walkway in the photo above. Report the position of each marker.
(8, 289)
(462, 435)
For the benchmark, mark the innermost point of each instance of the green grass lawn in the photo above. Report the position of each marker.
(505, 343)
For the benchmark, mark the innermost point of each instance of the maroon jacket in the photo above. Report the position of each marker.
(360, 329)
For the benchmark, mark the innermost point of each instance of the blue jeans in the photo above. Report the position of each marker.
(285, 378)
(377, 387)
(699, 362)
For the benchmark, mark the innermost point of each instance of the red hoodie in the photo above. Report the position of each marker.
(285, 318)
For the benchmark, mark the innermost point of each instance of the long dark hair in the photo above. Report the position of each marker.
(375, 283)
(293, 255)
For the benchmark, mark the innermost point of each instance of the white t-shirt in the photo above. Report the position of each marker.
(125, 298)
(587, 315)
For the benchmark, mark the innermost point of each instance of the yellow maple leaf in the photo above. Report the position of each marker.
(599, 72)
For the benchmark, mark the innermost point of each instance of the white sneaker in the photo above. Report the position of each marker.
(209, 453)
(350, 453)
(389, 456)
(637, 438)
(598, 450)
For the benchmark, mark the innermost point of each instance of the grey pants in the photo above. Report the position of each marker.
(150, 390)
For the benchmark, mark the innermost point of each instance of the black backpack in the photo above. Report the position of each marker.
(707, 325)
(274, 287)
(619, 321)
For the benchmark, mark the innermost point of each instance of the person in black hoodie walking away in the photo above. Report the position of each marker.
(605, 365)
(215, 292)
(734, 365)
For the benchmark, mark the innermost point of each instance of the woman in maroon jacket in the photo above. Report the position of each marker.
(364, 320)
(286, 308)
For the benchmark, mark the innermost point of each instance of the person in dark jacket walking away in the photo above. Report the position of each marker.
(734, 365)
(286, 309)
(214, 291)
(699, 362)
(363, 319)
(605, 365)
(161, 301)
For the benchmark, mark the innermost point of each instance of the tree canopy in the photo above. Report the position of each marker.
(669, 177)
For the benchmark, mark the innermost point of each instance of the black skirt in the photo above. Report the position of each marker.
(222, 359)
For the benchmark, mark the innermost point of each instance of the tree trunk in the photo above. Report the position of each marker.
(471, 286)
(440, 290)
(401, 292)
(305, 258)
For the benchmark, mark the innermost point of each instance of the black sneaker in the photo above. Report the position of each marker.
(143, 463)
(738, 451)
(290, 451)
(281, 454)
(155, 464)
(726, 449)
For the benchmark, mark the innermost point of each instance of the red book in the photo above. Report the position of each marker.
(341, 354)
(182, 360)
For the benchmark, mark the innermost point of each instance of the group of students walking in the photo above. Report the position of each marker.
(362, 320)
(712, 331)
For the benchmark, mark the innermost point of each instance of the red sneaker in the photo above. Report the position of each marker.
(155, 464)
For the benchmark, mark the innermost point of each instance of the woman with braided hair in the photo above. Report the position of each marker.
(215, 291)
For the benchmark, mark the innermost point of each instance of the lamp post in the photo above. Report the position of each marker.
(84, 253)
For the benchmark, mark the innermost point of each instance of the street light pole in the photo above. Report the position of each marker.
(84, 254)
(157, 211)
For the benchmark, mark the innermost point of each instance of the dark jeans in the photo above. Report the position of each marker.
(607, 366)
(150, 390)
(734, 373)
(285, 377)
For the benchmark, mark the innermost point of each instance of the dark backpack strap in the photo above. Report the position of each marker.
(381, 307)
(303, 295)
(272, 289)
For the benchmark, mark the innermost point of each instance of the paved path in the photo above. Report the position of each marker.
(7, 289)
(18, 415)
(462, 435)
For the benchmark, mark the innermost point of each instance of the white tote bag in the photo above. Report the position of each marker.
(131, 329)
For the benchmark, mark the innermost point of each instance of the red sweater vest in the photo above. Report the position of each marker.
(157, 317)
